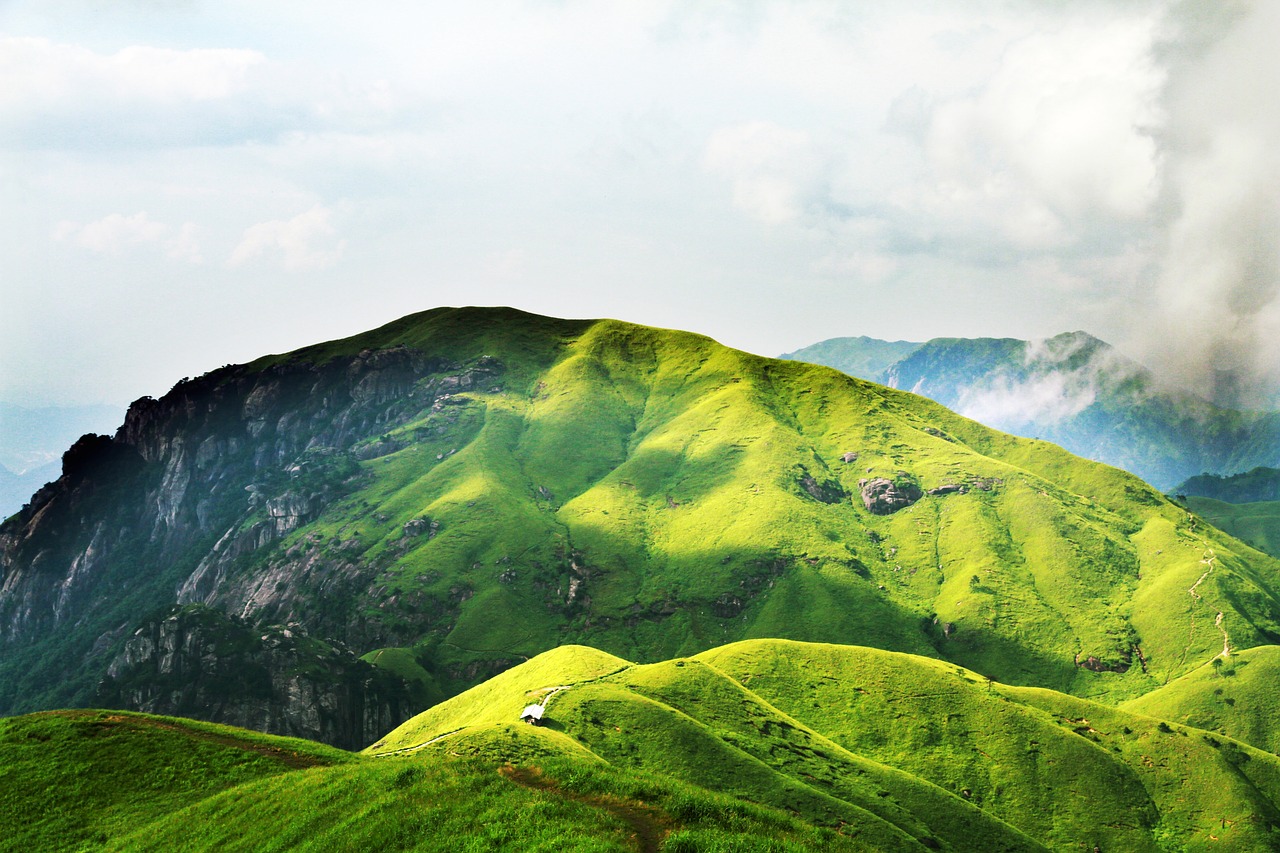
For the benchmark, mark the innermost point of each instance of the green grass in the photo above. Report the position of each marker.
(1256, 523)
(643, 491)
(1238, 695)
(72, 780)
(900, 746)
(767, 745)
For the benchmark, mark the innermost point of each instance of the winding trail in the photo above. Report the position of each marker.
(649, 826)
(1209, 559)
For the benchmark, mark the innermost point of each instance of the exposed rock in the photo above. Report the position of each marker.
(849, 457)
(1096, 664)
(198, 662)
(829, 492)
(882, 496)
(947, 489)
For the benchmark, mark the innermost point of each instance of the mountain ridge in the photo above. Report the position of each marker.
(464, 488)
(1077, 391)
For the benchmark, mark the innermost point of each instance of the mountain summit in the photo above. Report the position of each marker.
(326, 541)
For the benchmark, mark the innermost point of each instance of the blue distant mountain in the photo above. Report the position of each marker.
(1073, 390)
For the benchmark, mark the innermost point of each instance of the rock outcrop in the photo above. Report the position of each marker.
(198, 662)
(194, 488)
(882, 496)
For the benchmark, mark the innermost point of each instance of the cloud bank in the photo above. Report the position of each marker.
(771, 174)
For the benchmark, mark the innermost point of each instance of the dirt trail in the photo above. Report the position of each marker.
(648, 825)
(1208, 560)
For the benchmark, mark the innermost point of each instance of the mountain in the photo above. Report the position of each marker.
(324, 542)
(1076, 391)
(866, 358)
(759, 745)
(32, 439)
(1257, 485)
(1247, 505)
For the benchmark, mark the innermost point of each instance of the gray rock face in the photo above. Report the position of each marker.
(197, 662)
(882, 496)
(185, 496)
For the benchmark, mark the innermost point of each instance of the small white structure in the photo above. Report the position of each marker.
(532, 714)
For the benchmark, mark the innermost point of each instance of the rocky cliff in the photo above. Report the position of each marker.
(198, 662)
(193, 487)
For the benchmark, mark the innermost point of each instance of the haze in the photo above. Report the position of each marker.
(188, 184)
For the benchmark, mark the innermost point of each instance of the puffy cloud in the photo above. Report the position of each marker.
(117, 234)
(65, 96)
(305, 242)
(1213, 315)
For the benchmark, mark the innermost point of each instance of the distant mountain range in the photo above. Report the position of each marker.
(32, 441)
(1074, 390)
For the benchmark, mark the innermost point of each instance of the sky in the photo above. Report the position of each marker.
(190, 184)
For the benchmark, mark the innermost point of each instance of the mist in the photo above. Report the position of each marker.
(1212, 319)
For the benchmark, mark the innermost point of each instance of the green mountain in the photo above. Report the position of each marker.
(1073, 390)
(1257, 524)
(866, 358)
(323, 542)
(1258, 485)
(759, 745)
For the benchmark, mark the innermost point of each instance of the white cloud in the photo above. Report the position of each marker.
(774, 170)
(65, 96)
(117, 234)
(305, 242)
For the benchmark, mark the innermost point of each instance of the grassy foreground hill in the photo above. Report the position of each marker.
(759, 745)
(463, 489)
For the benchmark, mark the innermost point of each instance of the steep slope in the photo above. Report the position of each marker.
(1076, 391)
(1257, 524)
(77, 780)
(891, 747)
(1238, 696)
(465, 488)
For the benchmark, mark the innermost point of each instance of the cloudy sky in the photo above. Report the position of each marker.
(188, 184)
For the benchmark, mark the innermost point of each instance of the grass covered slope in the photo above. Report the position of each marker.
(71, 780)
(651, 493)
(896, 749)
(107, 780)
(654, 493)
(1238, 696)
(1256, 523)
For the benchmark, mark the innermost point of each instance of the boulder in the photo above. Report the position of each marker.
(882, 496)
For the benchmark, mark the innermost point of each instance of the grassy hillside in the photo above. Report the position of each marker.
(72, 780)
(1257, 523)
(109, 780)
(898, 746)
(1238, 695)
(651, 493)
(761, 745)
